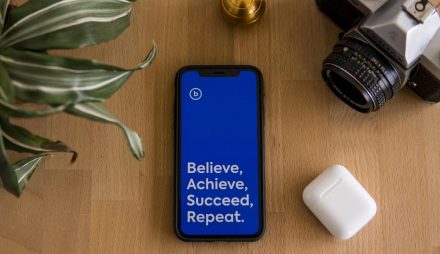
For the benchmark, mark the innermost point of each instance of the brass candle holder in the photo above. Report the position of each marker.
(243, 12)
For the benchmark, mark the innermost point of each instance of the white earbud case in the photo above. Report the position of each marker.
(339, 201)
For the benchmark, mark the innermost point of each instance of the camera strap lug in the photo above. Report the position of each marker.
(412, 84)
(421, 10)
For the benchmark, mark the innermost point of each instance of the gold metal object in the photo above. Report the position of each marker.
(243, 11)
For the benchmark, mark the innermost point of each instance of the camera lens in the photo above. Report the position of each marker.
(360, 76)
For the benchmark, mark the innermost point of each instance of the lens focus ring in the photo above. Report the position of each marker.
(360, 75)
(359, 72)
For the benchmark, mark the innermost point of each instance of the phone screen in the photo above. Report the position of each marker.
(219, 153)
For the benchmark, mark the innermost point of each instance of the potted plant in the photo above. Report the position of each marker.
(35, 83)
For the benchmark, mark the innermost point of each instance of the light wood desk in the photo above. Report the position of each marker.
(109, 203)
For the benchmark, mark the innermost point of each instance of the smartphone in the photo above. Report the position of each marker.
(219, 169)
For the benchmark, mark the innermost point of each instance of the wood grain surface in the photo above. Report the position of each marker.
(108, 202)
(435, 3)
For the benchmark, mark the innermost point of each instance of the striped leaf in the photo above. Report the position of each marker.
(15, 177)
(35, 84)
(23, 171)
(7, 92)
(3, 9)
(63, 24)
(12, 110)
(21, 140)
(4, 163)
(42, 78)
(97, 112)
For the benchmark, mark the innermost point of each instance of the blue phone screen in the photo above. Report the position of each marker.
(219, 155)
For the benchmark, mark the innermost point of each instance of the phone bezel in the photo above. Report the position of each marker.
(216, 70)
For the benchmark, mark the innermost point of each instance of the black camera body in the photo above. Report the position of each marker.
(385, 46)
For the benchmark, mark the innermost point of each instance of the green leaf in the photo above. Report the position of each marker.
(97, 112)
(62, 24)
(42, 78)
(4, 163)
(15, 177)
(7, 91)
(13, 110)
(3, 9)
(23, 171)
(21, 140)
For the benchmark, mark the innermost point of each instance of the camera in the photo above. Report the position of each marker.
(385, 46)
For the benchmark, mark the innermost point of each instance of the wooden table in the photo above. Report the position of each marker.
(109, 203)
